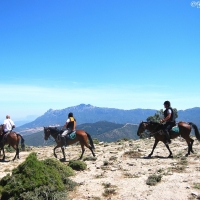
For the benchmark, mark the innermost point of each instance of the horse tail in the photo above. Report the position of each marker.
(22, 142)
(197, 134)
(90, 140)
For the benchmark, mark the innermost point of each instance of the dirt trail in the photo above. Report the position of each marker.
(121, 170)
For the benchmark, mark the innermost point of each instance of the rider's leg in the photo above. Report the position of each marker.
(167, 127)
(63, 140)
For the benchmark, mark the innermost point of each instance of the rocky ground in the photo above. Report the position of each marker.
(122, 169)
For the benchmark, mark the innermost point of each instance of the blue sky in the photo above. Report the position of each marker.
(108, 53)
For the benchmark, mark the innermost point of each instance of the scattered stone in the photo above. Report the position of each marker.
(101, 143)
(113, 169)
(194, 193)
(141, 150)
(188, 187)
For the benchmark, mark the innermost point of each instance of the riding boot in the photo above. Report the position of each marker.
(63, 142)
(168, 137)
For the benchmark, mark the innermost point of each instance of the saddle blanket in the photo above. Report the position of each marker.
(175, 129)
(72, 135)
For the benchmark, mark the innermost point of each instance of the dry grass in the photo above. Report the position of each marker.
(132, 154)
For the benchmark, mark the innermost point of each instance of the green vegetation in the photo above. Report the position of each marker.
(160, 115)
(109, 189)
(196, 186)
(129, 175)
(90, 158)
(96, 141)
(77, 165)
(34, 179)
(153, 179)
(113, 158)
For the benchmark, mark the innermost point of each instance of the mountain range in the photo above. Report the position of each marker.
(105, 124)
(91, 114)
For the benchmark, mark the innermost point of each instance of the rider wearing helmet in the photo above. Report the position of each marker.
(70, 126)
(169, 119)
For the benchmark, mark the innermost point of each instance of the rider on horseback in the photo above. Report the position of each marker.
(169, 119)
(8, 124)
(70, 126)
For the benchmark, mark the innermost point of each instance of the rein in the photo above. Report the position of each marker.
(152, 132)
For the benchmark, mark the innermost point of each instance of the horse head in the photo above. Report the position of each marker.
(53, 131)
(142, 127)
(47, 133)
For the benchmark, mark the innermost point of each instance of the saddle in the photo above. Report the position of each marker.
(70, 136)
(174, 130)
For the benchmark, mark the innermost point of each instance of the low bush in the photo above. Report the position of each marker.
(77, 165)
(34, 179)
(153, 179)
(90, 158)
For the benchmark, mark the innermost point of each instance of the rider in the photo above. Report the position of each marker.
(169, 119)
(8, 124)
(70, 126)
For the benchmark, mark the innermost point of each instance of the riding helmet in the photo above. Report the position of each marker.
(70, 114)
(167, 103)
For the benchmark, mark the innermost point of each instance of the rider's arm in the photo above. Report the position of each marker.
(65, 126)
(74, 128)
(166, 118)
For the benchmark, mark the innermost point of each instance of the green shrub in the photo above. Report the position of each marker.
(90, 158)
(153, 179)
(96, 141)
(34, 179)
(77, 165)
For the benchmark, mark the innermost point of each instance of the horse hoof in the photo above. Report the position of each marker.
(186, 155)
(170, 156)
(149, 156)
(192, 151)
(63, 159)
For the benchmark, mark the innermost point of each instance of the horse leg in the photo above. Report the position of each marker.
(89, 147)
(191, 143)
(92, 151)
(54, 151)
(154, 146)
(83, 150)
(63, 151)
(189, 146)
(170, 153)
(17, 152)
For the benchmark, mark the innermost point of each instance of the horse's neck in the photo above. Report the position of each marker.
(54, 134)
(154, 128)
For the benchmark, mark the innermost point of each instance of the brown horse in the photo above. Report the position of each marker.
(156, 129)
(81, 136)
(12, 139)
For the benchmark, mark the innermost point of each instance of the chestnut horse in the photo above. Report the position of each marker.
(156, 129)
(81, 136)
(12, 139)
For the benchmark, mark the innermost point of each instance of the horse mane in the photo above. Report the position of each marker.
(154, 123)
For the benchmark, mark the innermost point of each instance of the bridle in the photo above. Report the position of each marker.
(153, 132)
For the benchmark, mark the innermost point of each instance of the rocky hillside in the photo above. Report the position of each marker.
(122, 171)
(103, 131)
(91, 114)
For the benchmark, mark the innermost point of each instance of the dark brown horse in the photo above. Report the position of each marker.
(156, 129)
(12, 139)
(81, 136)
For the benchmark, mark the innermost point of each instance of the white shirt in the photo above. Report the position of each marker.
(8, 123)
(169, 111)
